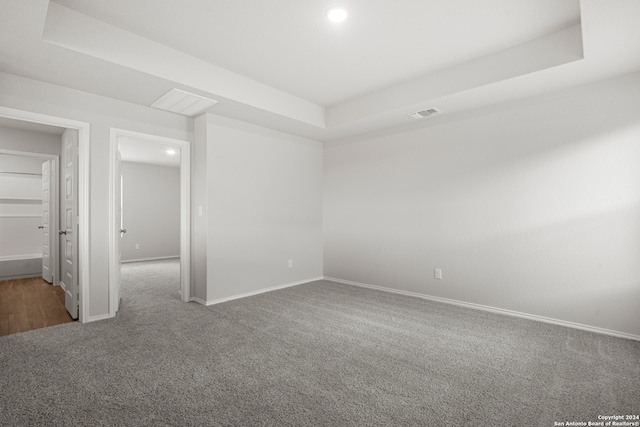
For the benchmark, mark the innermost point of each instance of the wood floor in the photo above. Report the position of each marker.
(28, 304)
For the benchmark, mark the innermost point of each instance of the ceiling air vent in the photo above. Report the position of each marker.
(425, 113)
(181, 102)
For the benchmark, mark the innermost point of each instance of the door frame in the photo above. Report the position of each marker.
(55, 225)
(185, 210)
(83, 128)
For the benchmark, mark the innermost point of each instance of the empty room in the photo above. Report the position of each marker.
(359, 212)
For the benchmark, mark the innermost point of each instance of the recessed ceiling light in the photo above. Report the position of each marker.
(337, 14)
(171, 151)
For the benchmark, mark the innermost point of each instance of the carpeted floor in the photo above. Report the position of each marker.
(316, 354)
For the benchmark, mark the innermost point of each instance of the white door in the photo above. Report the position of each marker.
(69, 228)
(120, 230)
(47, 220)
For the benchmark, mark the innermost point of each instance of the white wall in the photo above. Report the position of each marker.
(26, 140)
(199, 208)
(151, 211)
(101, 113)
(532, 207)
(263, 208)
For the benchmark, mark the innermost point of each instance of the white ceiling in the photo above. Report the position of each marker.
(289, 45)
(281, 64)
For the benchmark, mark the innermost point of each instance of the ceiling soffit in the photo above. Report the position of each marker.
(75, 31)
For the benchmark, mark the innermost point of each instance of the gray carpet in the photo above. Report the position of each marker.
(316, 354)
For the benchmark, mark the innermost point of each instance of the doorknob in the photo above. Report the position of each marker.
(61, 232)
(123, 230)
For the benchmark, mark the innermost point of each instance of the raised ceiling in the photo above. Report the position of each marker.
(281, 64)
(290, 45)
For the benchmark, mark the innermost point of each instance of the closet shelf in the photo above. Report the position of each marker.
(24, 201)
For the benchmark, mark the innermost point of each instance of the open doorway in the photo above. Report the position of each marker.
(30, 295)
(149, 213)
(35, 291)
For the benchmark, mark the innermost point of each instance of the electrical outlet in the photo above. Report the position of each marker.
(137, 245)
(290, 263)
(437, 273)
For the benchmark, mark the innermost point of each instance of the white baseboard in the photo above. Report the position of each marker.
(21, 276)
(492, 309)
(149, 259)
(96, 318)
(198, 300)
(252, 293)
